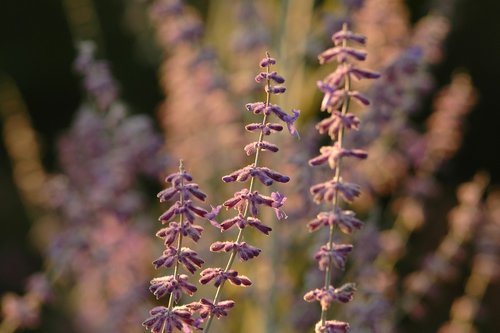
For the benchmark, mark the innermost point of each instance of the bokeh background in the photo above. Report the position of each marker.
(38, 48)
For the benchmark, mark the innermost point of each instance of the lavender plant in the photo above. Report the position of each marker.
(247, 201)
(166, 319)
(97, 198)
(336, 101)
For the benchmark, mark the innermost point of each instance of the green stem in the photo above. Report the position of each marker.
(179, 240)
(340, 140)
(232, 257)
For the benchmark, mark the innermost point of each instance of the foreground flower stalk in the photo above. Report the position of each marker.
(247, 201)
(165, 319)
(338, 94)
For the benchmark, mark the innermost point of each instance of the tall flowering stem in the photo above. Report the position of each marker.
(247, 201)
(166, 319)
(338, 94)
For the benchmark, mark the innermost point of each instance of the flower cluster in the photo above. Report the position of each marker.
(248, 201)
(165, 319)
(337, 96)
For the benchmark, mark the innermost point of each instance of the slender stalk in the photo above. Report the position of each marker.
(179, 240)
(232, 257)
(336, 177)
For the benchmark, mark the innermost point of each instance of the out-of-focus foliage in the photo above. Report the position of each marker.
(162, 80)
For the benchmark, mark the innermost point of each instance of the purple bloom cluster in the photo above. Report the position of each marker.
(166, 319)
(337, 96)
(248, 201)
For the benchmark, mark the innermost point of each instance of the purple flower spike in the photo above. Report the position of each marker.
(248, 201)
(337, 95)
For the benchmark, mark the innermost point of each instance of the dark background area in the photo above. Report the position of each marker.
(37, 51)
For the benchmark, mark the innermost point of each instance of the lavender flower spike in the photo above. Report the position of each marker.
(337, 96)
(183, 318)
(248, 201)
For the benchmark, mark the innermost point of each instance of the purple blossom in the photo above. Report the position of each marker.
(187, 257)
(332, 154)
(344, 219)
(219, 276)
(267, 128)
(279, 200)
(170, 233)
(185, 208)
(345, 35)
(343, 294)
(332, 326)
(255, 199)
(332, 124)
(187, 191)
(175, 285)
(252, 148)
(164, 320)
(244, 251)
(207, 308)
(341, 54)
(338, 254)
(266, 62)
(326, 191)
(177, 177)
(210, 216)
(242, 222)
(334, 97)
(289, 120)
(276, 90)
(265, 175)
(274, 76)
(256, 108)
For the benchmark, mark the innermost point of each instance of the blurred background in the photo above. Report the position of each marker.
(89, 129)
